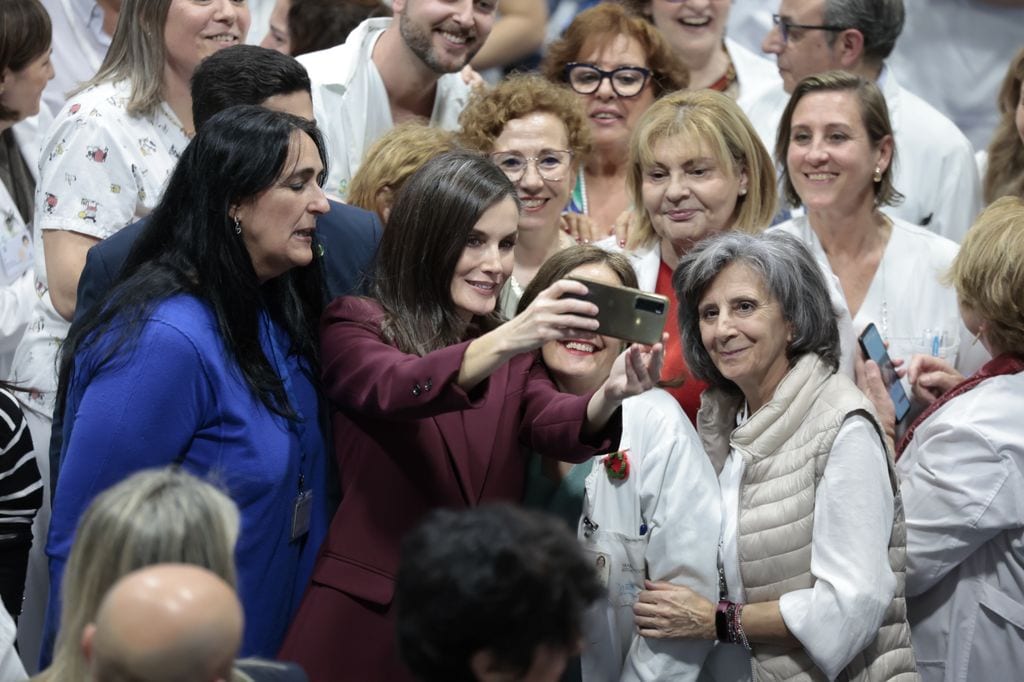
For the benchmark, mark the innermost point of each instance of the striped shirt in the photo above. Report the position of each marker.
(21, 487)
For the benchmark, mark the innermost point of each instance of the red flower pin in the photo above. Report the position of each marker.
(617, 465)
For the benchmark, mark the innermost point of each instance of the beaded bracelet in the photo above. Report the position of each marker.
(728, 625)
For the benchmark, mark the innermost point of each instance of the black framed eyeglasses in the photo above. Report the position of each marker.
(551, 164)
(627, 81)
(785, 26)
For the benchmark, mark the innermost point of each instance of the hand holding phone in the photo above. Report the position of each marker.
(873, 347)
(626, 313)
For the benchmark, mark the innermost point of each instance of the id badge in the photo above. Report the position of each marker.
(302, 511)
(15, 254)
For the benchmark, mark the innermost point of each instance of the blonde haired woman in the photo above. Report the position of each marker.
(390, 161)
(697, 167)
(961, 468)
(155, 516)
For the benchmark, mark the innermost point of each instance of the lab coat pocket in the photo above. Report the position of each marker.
(996, 649)
(619, 561)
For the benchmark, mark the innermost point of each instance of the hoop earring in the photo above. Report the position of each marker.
(238, 226)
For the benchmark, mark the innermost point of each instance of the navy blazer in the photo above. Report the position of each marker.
(349, 237)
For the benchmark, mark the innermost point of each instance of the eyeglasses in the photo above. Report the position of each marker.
(785, 26)
(627, 81)
(550, 164)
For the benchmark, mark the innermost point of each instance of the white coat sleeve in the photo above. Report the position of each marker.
(853, 517)
(959, 490)
(16, 301)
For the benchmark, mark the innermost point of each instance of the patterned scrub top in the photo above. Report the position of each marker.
(100, 169)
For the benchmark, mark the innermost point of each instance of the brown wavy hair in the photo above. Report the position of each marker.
(1005, 172)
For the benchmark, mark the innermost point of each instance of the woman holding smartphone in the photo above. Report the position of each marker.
(433, 400)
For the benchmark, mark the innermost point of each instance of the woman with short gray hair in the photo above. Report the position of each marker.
(806, 478)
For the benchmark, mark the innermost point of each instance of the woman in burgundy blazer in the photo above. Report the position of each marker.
(433, 401)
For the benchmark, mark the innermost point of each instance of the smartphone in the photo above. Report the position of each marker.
(625, 313)
(874, 349)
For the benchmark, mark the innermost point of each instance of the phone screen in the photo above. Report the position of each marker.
(874, 349)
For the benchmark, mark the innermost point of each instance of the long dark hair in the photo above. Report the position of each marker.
(190, 247)
(431, 219)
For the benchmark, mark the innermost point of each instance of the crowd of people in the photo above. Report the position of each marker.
(299, 376)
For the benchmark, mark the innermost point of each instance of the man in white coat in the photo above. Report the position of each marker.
(393, 70)
(935, 168)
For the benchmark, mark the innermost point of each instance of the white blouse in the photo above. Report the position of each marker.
(841, 614)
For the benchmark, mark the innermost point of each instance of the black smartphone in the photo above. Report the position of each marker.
(625, 313)
(874, 349)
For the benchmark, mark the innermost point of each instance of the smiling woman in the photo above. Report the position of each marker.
(536, 133)
(433, 400)
(798, 450)
(608, 38)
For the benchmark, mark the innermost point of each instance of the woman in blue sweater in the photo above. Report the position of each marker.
(203, 355)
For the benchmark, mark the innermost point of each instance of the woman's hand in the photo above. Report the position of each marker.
(869, 381)
(581, 228)
(636, 370)
(552, 316)
(664, 610)
(930, 377)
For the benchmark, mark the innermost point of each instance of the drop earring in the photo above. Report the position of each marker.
(877, 177)
(238, 226)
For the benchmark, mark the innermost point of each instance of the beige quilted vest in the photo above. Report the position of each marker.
(786, 445)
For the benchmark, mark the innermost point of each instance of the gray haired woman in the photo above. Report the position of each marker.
(806, 479)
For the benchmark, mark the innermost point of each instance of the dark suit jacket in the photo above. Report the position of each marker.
(409, 440)
(349, 237)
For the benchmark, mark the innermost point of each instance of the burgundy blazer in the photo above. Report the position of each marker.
(408, 440)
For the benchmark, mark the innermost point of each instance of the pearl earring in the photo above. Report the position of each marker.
(878, 174)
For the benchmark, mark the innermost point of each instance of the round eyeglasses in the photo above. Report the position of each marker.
(550, 164)
(627, 81)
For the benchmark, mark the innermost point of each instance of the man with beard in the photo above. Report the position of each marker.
(393, 70)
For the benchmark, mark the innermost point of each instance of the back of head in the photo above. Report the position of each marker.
(389, 162)
(988, 273)
(165, 623)
(716, 124)
(495, 579)
(430, 223)
(1004, 173)
(319, 24)
(25, 34)
(243, 74)
(879, 21)
(151, 517)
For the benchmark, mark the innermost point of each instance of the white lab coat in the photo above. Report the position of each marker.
(351, 105)
(935, 168)
(962, 478)
(954, 54)
(754, 73)
(662, 522)
(907, 300)
(17, 284)
(646, 262)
